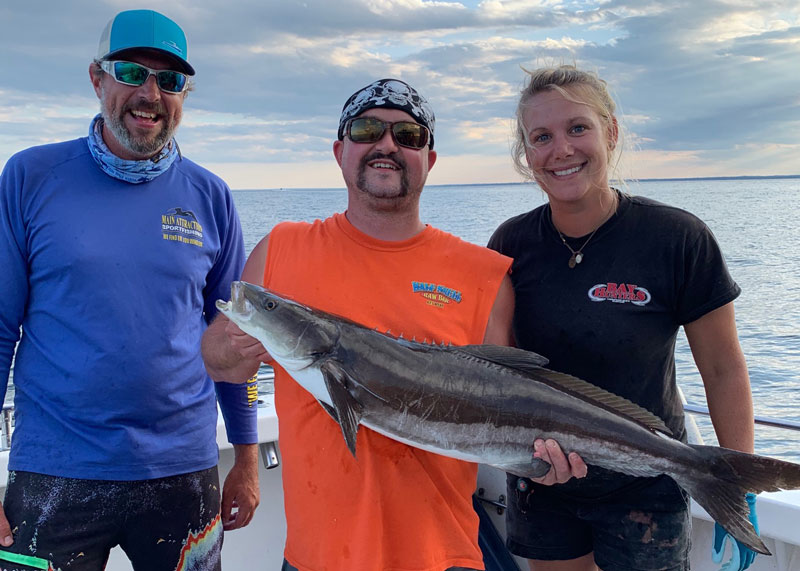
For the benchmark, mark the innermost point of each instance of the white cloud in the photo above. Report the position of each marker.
(388, 7)
(702, 85)
(503, 9)
(353, 56)
(746, 22)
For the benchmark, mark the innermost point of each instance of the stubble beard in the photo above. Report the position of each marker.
(144, 147)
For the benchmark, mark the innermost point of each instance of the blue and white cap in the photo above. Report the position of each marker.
(144, 29)
(388, 94)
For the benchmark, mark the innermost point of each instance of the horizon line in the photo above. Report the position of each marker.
(666, 179)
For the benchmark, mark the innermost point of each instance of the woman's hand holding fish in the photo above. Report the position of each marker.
(563, 467)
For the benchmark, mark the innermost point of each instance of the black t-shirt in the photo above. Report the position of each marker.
(613, 319)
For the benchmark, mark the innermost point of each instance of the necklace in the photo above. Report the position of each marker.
(577, 255)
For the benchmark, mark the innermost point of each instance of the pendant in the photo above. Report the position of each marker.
(575, 259)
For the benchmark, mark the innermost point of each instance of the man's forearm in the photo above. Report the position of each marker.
(246, 454)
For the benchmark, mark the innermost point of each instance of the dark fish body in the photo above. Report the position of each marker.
(487, 404)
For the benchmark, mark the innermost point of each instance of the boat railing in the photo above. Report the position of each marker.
(759, 420)
(6, 427)
(266, 377)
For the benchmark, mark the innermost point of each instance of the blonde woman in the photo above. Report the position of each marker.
(603, 283)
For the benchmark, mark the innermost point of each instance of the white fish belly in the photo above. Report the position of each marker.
(477, 442)
(311, 379)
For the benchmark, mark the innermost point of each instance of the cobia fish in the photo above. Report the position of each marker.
(487, 404)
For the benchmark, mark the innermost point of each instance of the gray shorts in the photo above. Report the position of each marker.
(645, 525)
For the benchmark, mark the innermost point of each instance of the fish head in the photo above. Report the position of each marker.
(294, 335)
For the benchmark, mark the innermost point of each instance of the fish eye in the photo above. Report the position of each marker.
(269, 305)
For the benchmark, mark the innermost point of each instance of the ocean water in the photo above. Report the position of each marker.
(754, 221)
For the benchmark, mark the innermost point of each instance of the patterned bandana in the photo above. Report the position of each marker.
(130, 171)
(388, 94)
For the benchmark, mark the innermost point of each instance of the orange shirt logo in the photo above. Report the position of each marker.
(435, 294)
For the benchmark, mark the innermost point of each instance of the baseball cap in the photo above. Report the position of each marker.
(144, 29)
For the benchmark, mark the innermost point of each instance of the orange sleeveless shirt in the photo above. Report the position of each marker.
(395, 507)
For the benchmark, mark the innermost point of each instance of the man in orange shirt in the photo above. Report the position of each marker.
(395, 507)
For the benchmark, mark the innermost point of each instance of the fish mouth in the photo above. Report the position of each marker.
(249, 295)
(238, 303)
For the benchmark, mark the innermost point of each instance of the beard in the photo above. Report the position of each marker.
(143, 147)
(376, 189)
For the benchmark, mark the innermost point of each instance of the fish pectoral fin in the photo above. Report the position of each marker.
(536, 469)
(348, 410)
(539, 468)
(330, 410)
(507, 356)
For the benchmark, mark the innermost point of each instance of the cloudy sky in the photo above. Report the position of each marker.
(705, 87)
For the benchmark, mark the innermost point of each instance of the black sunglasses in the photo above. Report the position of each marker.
(405, 133)
(130, 73)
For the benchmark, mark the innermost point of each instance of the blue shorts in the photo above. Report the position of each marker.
(643, 525)
(72, 524)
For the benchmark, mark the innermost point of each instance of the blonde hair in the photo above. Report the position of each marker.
(575, 85)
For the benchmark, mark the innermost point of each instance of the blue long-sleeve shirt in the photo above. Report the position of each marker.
(113, 285)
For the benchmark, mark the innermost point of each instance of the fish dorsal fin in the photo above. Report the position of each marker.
(602, 398)
(506, 356)
(531, 365)
(348, 410)
(523, 361)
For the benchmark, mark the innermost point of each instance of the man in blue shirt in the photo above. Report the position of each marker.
(113, 249)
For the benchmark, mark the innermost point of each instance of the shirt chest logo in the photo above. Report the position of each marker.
(619, 293)
(436, 295)
(180, 225)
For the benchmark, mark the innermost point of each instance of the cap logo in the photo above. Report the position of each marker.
(173, 46)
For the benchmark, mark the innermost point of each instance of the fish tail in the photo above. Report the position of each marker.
(727, 476)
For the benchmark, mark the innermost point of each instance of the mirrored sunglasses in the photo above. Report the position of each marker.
(405, 133)
(130, 73)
